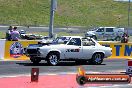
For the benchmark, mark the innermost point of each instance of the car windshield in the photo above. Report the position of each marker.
(61, 40)
(93, 29)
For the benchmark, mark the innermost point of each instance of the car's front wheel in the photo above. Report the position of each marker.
(35, 60)
(53, 58)
(94, 37)
(97, 58)
(81, 80)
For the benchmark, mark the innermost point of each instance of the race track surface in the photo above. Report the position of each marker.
(24, 67)
(17, 74)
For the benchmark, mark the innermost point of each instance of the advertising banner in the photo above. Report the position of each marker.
(119, 50)
(129, 67)
(14, 49)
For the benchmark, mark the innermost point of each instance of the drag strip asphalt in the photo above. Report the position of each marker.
(9, 68)
(17, 74)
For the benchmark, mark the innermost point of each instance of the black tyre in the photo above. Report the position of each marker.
(81, 80)
(35, 60)
(94, 37)
(97, 58)
(53, 58)
(118, 38)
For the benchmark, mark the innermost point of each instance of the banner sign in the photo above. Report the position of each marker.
(119, 50)
(129, 67)
(14, 49)
(108, 78)
(82, 78)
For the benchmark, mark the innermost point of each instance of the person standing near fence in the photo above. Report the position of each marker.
(8, 33)
(15, 35)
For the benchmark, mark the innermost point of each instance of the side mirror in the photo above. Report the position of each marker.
(61, 42)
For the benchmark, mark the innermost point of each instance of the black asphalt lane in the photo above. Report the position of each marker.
(9, 68)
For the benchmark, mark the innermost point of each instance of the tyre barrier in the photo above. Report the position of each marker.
(13, 50)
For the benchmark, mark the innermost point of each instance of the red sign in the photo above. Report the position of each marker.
(130, 63)
(34, 74)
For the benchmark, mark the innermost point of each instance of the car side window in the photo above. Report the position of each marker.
(100, 30)
(75, 41)
(109, 29)
(87, 42)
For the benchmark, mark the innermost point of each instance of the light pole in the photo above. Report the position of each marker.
(52, 11)
(129, 13)
(129, 8)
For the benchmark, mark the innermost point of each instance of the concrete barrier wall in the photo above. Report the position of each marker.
(2, 49)
(13, 50)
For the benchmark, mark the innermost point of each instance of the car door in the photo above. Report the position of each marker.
(88, 48)
(109, 34)
(100, 33)
(73, 50)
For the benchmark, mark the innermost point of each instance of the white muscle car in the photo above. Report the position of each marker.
(68, 48)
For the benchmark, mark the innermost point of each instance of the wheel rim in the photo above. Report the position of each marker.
(53, 59)
(82, 81)
(117, 39)
(98, 58)
(94, 37)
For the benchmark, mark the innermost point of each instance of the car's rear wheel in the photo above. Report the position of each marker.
(53, 58)
(81, 80)
(97, 58)
(35, 60)
(118, 38)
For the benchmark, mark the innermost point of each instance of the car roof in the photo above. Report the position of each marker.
(73, 36)
(111, 27)
(107, 27)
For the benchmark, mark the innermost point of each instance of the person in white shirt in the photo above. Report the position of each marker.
(15, 36)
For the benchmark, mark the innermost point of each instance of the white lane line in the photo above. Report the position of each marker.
(61, 73)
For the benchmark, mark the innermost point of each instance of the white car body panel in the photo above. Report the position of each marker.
(76, 55)
(72, 51)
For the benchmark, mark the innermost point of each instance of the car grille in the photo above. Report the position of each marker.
(32, 51)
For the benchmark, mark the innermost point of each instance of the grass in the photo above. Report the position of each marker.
(2, 35)
(88, 13)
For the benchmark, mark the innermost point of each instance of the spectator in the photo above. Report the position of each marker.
(15, 36)
(124, 38)
(125, 35)
(8, 33)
